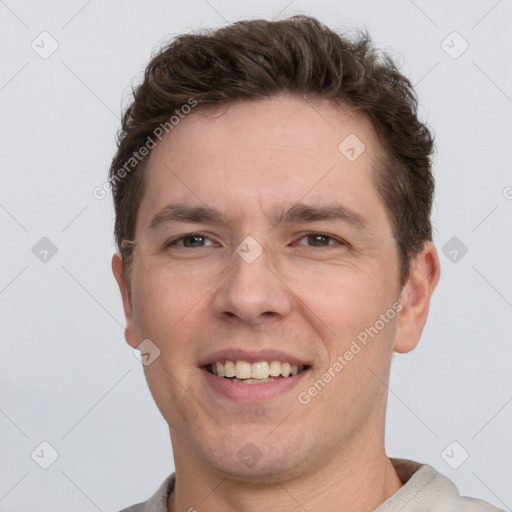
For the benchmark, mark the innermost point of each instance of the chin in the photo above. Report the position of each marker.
(258, 460)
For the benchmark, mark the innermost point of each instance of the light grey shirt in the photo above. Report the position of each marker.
(424, 490)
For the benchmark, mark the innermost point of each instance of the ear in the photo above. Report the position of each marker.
(415, 296)
(130, 332)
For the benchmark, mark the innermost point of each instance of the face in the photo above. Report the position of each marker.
(264, 250)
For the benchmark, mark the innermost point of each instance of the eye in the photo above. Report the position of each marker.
(321, 240)
(200, 240)
(190, 241)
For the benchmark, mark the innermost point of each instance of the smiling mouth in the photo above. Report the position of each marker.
(244, 372)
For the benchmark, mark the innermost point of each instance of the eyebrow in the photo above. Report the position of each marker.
(297, 213)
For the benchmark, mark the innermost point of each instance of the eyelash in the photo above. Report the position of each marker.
(173, 241)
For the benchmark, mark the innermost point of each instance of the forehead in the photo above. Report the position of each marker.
(289, 123)
(252, 155)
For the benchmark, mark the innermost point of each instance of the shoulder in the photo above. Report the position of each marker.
(157, 502)
(140, 507)
(446, 497)
(427, 490)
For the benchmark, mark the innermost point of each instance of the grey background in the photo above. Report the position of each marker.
(68, 377)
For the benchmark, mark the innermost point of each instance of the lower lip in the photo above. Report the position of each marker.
(252, 392)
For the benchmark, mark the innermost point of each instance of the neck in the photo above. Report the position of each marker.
(359, 480)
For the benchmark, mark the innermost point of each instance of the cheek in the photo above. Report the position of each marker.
(166, 308)
(343, 299)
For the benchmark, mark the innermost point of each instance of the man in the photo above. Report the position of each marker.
(272, 191)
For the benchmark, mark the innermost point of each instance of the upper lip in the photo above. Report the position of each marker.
(251, 356)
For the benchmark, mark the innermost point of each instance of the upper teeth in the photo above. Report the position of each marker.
(259, 370)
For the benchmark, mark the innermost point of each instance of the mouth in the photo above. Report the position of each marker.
(250, 377)
(259, 372)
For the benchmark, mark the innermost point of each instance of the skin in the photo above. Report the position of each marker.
(298, 296)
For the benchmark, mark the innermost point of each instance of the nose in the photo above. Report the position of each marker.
(252, 292)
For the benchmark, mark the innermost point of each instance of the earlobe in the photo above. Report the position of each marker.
(415, 298)
(117, 269)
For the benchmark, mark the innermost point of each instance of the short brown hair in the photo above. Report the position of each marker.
(258, 59)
